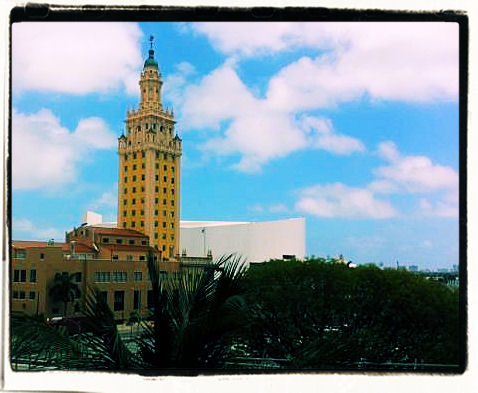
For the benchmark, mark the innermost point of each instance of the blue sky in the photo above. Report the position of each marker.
(351, 125)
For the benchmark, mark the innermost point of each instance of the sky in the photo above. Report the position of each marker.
(353, 126)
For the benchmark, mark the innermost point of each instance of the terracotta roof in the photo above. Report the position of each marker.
(79, 247)
(126, 247)
(33, 243)
(117, 231)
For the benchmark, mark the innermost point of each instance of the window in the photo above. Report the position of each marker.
(156, 189)
(133, 201)
(136, 300)
(125, 202)
(164, 247)
(142, 212)
(33, 275)
(165, 190)
(165, 167)
(133, 224)
(125, 191)
(129, 258)
(77, 277)
(144, 242)
(134, 167)
(119, 301)
(156, 212)
(164, 201)
(173, 168)
(142, 189)
(172, 202)
(172, 180)
(133, 212)
(126, 179)
(119, 241)
(157, 156)
(106, 240)
(165, 178)
(143, 154)
(138, 276)
(156, 177)
(23, 276)
(134, 189)
(172, 225)
(143, 165)
(164, 213)
(134, 154)
(156, 200)
(172, 191)
(124, 213)
(165, 156)
(16, 276)
(32, 295)
(172, 237)
(126, 168)
(142, 200)
(21, 294)
(114, 257)
(134, 178)
(126, 155)
(155, 235)
(124, 225)
(164, 237)
(101, 277)
(142, 224)
(142, 258)
(42, 256)
(150, 299)
(104, 296)
(15, 294)
(164, 225)
(119, 277)
(143, 177)
(157, 165)
(131, 241)
(155, 223)
(147, 123)
(172, 214)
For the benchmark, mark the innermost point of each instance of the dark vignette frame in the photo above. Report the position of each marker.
(64, 13)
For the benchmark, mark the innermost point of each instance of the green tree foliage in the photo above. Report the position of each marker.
(64, 289)
(323, 314)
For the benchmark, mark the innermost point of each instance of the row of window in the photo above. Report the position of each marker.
(156, 201)
(129, 258)
(141, 213)
(21, 295)
(119, 299)
(131, 242)
(116, 276)
(133, 190)
(143, 166)
(143, 177)
(21, 275)
(74, 276)
(143, 155)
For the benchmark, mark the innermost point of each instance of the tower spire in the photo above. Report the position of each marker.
(151, 39)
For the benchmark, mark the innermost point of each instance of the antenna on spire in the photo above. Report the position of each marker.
(151, 39)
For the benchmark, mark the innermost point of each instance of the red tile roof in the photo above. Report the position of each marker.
(33, 243)
(79, 247)
(117, 231)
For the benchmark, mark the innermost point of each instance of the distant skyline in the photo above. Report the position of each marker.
(353, 126)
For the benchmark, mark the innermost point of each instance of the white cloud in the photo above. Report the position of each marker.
(25, 229)
(413, 173)
(76, 57)
(271, 208)
(254, 129)
(45, 154)
(340, 200)
(440, 208)
(399, 61)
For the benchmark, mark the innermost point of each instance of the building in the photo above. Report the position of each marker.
(254, 241)
(111, 259)
(149, 167)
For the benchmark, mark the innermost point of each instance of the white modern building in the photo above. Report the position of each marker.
(253, 241)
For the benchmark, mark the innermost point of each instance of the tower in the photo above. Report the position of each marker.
(149, 165)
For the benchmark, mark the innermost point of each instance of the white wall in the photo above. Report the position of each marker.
(256, 241)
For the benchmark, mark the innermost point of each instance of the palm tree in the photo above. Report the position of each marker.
(195, 316)
(64, 289)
